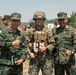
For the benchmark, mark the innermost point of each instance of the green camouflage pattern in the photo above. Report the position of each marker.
(73, 70)
(8, 70)
(16, 16)
(65, 39)
(19, 52)
(44, 63)
(62, 69)
(62, 15)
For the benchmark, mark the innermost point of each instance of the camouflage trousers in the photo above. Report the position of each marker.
(45, 65)
(61, 69)
(73, 70)
(10, 70)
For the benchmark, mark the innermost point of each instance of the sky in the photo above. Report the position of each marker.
(27, 8)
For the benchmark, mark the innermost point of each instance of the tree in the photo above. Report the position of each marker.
(72, 20)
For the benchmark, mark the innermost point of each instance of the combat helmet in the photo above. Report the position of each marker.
(39, 15)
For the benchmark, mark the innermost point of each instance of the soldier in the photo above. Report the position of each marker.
(23, 29)
(6, 20)
(40, 45)
(14, 48)
(65, 38)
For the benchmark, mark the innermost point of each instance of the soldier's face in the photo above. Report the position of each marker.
(15, 23)
(6, 22)
(62, 22)
(39, 22)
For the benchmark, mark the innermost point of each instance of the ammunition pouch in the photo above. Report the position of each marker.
(39, 38)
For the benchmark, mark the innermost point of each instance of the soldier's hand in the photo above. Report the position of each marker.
(16, 42)
(30, 45)
(20, 61)
(32, 55)
(42, 48)
(68, 52)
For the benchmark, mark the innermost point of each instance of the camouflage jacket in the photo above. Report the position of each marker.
(8, 53)
(65, 39)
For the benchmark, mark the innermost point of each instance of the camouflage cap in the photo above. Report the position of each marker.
(39, 15)
(62, 15)
(6, 17)
(16, 16)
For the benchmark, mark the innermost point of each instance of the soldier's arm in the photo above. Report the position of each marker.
(6, 42)
(74, 42)
(51, 41)
(24, 48)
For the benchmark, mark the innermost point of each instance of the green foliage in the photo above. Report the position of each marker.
(72, 20)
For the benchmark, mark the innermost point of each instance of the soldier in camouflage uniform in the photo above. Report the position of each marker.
(13, 48)
(65, 38)
(6, 20)
(40, 45)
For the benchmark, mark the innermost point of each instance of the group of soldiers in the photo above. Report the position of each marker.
(40, 43)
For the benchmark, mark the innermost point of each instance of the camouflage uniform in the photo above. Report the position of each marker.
(10, 54)
(73, 68)
(65, 39)
(43, 59)
(26, 33)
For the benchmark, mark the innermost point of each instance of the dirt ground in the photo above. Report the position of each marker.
(25, 66)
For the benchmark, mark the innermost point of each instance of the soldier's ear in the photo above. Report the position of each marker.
(66, 20)
(20, 22)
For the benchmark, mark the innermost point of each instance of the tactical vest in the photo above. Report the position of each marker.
(39, 37)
